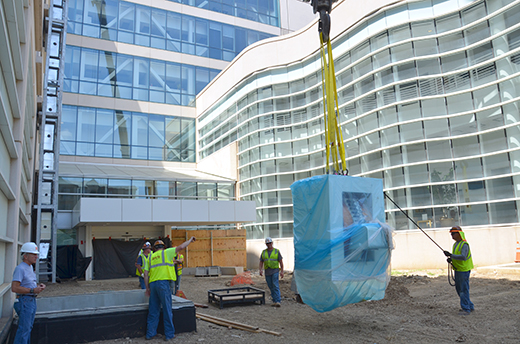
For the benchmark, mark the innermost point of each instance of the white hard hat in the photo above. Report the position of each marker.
(268, 240)
(29, 247)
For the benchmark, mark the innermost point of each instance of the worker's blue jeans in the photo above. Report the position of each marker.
(26, 310)
(462, 287)
(272, 283)
(141, 282)
(160, 296)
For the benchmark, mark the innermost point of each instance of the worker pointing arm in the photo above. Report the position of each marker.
(159, 271)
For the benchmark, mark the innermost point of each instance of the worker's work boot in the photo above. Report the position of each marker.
(276, 304)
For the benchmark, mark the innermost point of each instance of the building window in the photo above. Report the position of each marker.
(71, 189)
(127, 135)
(109, 74)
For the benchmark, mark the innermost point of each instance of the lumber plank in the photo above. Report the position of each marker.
(229, 321)
(227, 324)
(234, 324)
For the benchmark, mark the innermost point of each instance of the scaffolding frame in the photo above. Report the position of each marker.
(46, 203)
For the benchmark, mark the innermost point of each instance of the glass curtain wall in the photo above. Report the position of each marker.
(109, 74)
(429, 96)
(131, 23)
(262, 11)
(108, 133)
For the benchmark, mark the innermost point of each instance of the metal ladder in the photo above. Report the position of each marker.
(46, 202)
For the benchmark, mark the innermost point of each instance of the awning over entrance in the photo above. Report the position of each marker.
(165, 172)
(95, 211)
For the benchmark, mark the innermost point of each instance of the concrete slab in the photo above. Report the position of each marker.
(100, 316)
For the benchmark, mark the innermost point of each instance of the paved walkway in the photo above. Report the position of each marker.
(509, 269)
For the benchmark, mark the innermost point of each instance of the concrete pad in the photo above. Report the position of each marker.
(231, 270)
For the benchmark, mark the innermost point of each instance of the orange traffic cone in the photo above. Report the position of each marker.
(180, 294)
(517, 259)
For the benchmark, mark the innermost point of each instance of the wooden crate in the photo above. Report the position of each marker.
(213, 247)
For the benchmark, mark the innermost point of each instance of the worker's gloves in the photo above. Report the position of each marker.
(447, 254)
(448, 260)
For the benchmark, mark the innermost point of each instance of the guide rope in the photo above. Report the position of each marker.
(451, 276)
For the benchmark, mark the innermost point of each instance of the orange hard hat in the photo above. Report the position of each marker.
(455, 229)
(158, 243)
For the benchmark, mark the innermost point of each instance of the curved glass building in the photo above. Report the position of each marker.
(429, 95)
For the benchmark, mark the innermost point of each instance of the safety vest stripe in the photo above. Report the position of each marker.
(163, 263)
(275, 254)
(272, 261)
(459, 247)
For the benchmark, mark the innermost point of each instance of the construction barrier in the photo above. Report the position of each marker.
(517, 259)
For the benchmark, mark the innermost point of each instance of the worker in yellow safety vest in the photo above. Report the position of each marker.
(179, 263)
(141, 261)
(272, 261)
(157, 275)
(462, 264)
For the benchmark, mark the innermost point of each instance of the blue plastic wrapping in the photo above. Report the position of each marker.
(342, 246)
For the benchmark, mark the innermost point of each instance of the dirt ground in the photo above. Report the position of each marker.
(419, 307)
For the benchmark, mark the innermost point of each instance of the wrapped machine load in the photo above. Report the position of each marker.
(342, 246)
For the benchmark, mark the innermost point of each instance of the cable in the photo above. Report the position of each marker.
(415, 223)
(451, 273)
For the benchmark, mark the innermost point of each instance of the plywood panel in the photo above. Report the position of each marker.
(213, 247)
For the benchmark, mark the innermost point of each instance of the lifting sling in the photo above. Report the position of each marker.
(334, 148)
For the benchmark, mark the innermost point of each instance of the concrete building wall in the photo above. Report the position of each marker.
(20, 85)
(414, 251)
(224, 162)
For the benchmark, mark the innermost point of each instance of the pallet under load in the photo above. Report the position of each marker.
(239, 295)
(101, 316)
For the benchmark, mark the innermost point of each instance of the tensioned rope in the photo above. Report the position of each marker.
(334, 148)
(450, 265)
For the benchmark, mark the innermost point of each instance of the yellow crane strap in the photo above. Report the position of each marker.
(334, 147)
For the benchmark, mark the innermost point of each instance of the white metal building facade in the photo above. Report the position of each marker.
(428, 101)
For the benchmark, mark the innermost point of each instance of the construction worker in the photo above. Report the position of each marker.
(462, 264)
(25, 286)
(179, 262)
(140, 263)
(271, 260)
(157, 275)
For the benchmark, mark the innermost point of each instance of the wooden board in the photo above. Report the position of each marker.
(213, 247)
